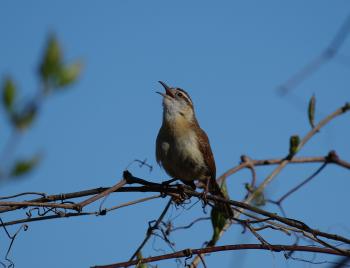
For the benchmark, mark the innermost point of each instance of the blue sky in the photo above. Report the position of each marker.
(230, 56)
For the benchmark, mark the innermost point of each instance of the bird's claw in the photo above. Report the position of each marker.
(182, 196)
(204, 199)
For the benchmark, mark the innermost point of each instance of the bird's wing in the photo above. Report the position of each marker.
(214, 187)
(204, 147)
(161, 147)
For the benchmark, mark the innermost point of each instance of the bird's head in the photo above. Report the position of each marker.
(176, 103)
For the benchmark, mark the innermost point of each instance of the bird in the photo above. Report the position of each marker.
(182, 146)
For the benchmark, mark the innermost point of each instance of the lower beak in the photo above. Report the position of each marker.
(161, 93)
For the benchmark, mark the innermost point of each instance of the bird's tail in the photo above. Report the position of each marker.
(215, 189)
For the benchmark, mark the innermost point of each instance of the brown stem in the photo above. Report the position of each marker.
(90, 200)
(190, 252)
(36, 204)
(295, 160)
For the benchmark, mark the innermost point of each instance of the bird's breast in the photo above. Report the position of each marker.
(178, 150)
(187, 148)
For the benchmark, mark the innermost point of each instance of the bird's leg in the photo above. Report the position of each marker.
(205, 193)
(182, 195)
(190, 184)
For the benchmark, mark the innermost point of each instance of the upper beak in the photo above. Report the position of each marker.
(167, 90)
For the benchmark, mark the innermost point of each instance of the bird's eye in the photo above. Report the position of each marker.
(179, 94)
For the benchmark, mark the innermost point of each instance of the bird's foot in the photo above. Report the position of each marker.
(165, 186)
(204, 195)
(204, 199)
(182, 196)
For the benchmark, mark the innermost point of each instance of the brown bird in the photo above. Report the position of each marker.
(183, 148)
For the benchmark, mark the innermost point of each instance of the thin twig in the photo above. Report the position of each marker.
(21, 194)
(88, 201)
(62, 214)
(37, 204)
(256, 234)
(202, 260)
(133, 202)
(151, 228)
(49, 217)
(280, 200)
(12, 238)
(190, 224)
(250, 165)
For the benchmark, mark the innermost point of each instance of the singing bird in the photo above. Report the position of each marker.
(183, 148)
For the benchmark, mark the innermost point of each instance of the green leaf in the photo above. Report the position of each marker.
(218, 218)
(9, 95)
(294, 142)
(311, 111)
(69, 74)
(23, 167)
(22, 120)
(50, 66)
(140, 257)
(223, 187)
(259, 197)
(218, 221)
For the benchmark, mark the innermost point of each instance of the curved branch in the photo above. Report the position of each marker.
(190, 252)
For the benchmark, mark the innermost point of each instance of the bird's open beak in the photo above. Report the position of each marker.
(167, 90)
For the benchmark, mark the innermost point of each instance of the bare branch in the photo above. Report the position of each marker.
(296, 160)
(101, 195)
(190, 252)
(36, 204)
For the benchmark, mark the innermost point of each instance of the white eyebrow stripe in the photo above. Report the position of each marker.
(185, 94)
